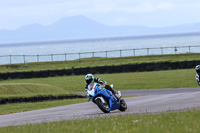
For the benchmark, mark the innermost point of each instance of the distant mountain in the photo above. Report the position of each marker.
(80, 27)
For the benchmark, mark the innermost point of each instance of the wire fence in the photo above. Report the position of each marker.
(13, 59)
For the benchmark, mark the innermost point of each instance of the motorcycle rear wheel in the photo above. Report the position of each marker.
(103, 106)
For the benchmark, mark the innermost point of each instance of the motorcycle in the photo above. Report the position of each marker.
(105, 99)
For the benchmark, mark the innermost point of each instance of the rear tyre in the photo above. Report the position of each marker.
(103, 106)
(123, 105)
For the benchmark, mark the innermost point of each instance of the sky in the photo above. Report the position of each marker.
(150, 13)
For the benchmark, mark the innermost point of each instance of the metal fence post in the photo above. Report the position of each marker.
(65, 57)
(24, 59)
(52, 57)
(106, 54)
(133, 52)
(175, 49)
(189, 49)
(38, 58)
(79, 57)
(161, 50)
(92, 54)
(10, 59)
(120, 53)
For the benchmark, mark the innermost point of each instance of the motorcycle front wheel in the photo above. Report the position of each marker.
(123, 105)
(103, 106)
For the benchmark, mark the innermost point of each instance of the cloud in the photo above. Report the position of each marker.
(165, 6)
(146, 7)
(52, 7)
(49, 11)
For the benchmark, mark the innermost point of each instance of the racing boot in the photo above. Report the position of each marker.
(116, 93)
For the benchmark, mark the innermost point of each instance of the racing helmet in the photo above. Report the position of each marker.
(89, 78)
(197, 68)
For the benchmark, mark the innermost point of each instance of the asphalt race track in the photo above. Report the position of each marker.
(147, 101)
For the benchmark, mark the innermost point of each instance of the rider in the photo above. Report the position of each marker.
(89, 78)
(198, 74)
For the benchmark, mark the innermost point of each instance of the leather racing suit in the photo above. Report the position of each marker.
(102, 82)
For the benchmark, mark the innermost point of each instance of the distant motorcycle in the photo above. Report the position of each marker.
(105, 99)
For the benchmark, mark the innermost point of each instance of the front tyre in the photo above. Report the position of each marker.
(103, 106)
(123, 105)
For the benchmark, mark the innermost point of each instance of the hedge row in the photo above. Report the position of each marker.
(102, 69)
(38, 98)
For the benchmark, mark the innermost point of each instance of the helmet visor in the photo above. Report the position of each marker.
(198, 71)
(88, 81)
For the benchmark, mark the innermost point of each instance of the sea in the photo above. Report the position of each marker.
(103, 47)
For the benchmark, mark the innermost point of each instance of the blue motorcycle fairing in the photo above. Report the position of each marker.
(108, 95)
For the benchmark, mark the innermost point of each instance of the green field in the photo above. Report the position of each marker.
(97, 62)
(29, 90)
(69, 84)
(21, 107)
(121, 81)
(173, 122)
(168, 122)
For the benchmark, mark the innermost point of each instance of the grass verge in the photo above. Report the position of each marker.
(97, 62)
(29, 90)
(121, 81)
(21, 107)
(173, 122)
